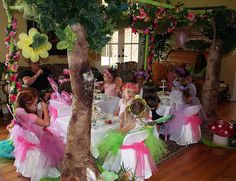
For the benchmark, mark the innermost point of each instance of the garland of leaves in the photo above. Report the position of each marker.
(12, 58)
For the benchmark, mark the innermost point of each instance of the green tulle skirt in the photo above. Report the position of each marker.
(156, 146)
(6, 149)
(112, 142)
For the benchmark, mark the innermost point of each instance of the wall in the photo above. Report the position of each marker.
(21, 28)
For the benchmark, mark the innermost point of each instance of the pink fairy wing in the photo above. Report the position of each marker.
(65, 95)
(55, 96)
(53, 84)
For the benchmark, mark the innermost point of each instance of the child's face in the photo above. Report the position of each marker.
(129, 94)
(140, 80)
(107, 78)
(33, 107)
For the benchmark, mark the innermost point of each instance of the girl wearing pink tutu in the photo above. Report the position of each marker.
(37, 151)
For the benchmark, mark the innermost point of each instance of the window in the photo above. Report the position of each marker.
(123, 47)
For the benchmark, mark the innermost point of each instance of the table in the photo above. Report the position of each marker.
(98, 129)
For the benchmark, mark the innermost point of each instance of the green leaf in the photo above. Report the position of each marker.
(62, 45)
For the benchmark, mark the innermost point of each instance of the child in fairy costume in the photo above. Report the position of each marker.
(37, 151)
(135, 117)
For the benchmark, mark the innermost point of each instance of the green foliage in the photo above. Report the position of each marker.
(198, 45)
(39, 40)
(69, 39)
(55, 15)
(225, 22)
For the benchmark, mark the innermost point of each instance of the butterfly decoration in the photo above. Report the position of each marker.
(63, 97)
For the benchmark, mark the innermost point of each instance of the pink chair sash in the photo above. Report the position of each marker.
(195, 122)
(25, 146)
(141, 150)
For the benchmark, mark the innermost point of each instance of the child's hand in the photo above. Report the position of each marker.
(44, 105)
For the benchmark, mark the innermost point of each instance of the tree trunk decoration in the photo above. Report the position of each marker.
(77, 156)
(211, 85)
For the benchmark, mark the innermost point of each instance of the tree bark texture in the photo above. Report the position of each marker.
(211, 85)
(77, 156)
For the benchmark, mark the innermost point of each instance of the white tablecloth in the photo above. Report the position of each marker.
(98, 129)
(108, 104)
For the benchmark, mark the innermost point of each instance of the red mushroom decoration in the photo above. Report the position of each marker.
(222, 131)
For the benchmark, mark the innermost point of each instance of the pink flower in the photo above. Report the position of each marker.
(146, 31)
(66, 72)
(142, 15)
(13, 77)
(18, 86)
(13, 67)
(134, 30)
(12, 33)
(12, 97)
(190, 16)
(7, 39)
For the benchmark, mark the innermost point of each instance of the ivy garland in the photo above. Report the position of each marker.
(12, 58)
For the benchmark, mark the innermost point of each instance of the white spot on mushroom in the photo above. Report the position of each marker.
(231, 127)
(213, 127)
(219, 126)
(226, 132)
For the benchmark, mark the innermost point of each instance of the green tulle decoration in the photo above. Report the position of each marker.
(110, 144)
(156, 146)
(6, 149)
(50, 179)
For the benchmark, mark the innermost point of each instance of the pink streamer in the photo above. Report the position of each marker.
(141, 150)
(195, 122)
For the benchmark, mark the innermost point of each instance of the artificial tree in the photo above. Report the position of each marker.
(80, 25)
(222, 32)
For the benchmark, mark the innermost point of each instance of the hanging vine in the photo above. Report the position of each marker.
(11, 62)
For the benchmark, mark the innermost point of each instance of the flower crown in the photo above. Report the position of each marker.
(139, 99)
(141, 73)
(180, 86)
(131, 86)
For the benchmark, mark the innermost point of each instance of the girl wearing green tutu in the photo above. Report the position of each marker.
(132, 121)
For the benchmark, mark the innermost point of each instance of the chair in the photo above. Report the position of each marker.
(191, 132)
(135, 155)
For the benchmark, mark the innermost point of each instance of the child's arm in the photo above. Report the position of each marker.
(122, 120)
(45, 122)
(130, 125)
(116, 113)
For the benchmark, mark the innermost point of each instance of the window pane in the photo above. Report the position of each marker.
(114, 38)
(135, 38)
(128, 35)
(135, 52)
(127, 53)
(113, 54)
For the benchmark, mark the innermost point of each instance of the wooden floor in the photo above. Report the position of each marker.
(199, 163)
